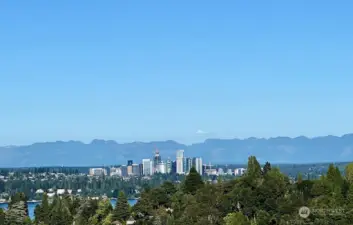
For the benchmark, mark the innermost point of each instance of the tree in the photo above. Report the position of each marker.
(19, 197)
(193, 182)
(254, 168)
(334, 175)
(42, 211)
(121, 211)
(16, 215)
(60, 214)
(266, 168)
(299, 178)
(169, 188)
(349, 200)
(236, 219)
(2, 217)
(86, 210)
(349, 172)
(104, 209)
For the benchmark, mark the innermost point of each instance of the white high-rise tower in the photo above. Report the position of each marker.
(179, 162)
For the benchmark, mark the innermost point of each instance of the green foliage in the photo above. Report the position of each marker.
(257, 198)
(236, 219)
(42, 211)
(16, 215)
(121, 211)
(86, 210)
(2, 217)
(349, 172)
(254, 168)
(169, 188)
(104, 209)
(193, 182)
(266, 168)
(60, 214)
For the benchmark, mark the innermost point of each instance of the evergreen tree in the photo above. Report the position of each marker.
(104, 209)
(192, 182)
(236, 219)
(60, 214)
(349, 200)
(19, 197)
(42, 211)
(299, 178)
(348, 172)
(2, 217)
(266, 168)
(254, 168)
(16, 215)
(45, 209)
(168, 187)
(121, 211)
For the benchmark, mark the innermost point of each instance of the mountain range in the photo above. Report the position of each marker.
(107, 152)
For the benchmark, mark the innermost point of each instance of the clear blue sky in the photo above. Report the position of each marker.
(155, 70)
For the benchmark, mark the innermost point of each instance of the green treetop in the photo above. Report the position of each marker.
(121, 211)
(193, 182)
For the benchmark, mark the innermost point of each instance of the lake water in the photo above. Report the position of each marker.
(32, 206)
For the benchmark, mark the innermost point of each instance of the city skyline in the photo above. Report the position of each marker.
(150, 166)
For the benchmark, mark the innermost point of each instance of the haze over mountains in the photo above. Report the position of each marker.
(107, 152)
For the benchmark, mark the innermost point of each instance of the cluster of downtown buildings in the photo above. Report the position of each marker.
(149, 167)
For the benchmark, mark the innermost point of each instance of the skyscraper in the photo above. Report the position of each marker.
(161, 168)
(152, 171)
(141, 169)
(188, 165)
(169, 166)
(129, 167)
(180, 162)
(156, 160)
(197, 163)
(146, 167)
(174, 170)
(135, 170)
(124, 171)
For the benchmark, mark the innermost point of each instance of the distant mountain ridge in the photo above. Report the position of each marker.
(108, 152)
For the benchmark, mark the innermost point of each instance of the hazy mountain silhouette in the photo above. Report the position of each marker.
(107, 152)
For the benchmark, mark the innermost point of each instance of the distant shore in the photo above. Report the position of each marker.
(38, 201)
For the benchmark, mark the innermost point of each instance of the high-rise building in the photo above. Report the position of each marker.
(115, 171)
(129, 170)
(97, 171)
(130, 162)
(197, 163)
(188, 165)
(152, 166)
(204, 168)
(141, 169)
(180, 162)
(239, 171)
(135, 170)
(174, 168)
(220, 172)
(157, 160)
(147, 167)
(169, 166)
(124, 172)
(161, 168)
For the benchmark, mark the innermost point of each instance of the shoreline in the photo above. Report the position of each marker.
(38, 201)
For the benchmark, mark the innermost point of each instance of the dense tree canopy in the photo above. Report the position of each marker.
(263, 196)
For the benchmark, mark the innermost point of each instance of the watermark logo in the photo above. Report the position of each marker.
(304, 212)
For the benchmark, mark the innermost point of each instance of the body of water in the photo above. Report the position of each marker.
(32, 206)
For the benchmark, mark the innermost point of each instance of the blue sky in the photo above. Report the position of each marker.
(155, 70)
